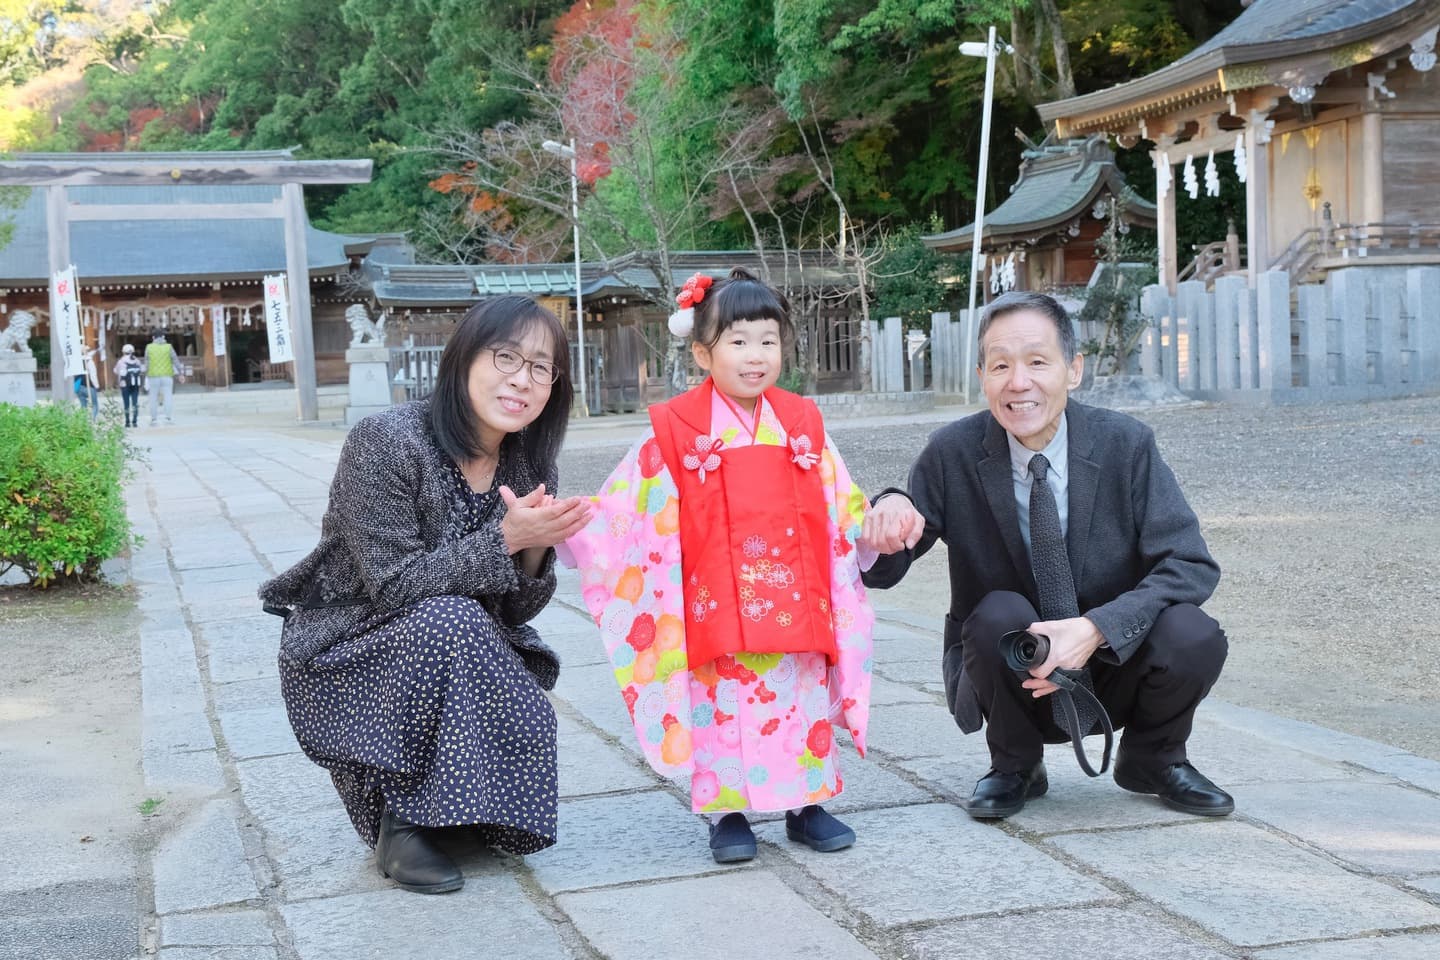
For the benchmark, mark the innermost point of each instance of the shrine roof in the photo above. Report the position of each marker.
(1057, 184)
(1277, 42)
(461, 285)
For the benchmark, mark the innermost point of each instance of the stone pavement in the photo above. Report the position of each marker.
(1333, 854)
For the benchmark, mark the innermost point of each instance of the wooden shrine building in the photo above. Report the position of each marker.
(1043, 236)
(1330, 108)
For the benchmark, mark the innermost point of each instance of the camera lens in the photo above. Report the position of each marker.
(1023, 649)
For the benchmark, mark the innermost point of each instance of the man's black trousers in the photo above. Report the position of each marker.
(1153, 695)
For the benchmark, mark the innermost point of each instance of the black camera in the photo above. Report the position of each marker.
(1024, 650)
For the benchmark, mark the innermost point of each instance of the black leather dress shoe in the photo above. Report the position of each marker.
(1004, 794)
(1179, 786)
(405, 854)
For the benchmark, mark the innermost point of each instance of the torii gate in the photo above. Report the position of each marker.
(290, 175)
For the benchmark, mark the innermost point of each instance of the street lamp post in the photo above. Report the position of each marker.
(562, 150)
(989, 50)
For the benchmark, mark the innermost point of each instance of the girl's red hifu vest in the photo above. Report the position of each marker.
(754, 531)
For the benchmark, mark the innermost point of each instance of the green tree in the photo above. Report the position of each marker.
(912, 281)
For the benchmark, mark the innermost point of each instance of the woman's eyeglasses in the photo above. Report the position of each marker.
(541, 371)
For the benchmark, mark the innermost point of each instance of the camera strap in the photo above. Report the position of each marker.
(1072, 684)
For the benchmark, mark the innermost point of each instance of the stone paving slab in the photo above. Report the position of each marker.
(1078, 802)
(217, 591)
(1381, 828)
(576, 647)
(218, 953)
(869, 785)
(919, 851)
(895, 646)
(771, 921)
(238, 609)
(81, 920)
(623, 839)
(1425, 946)
(244, 648)
(257, 732)
(913, 730)
(207, 553)
(164, 616)
(242, 572)
(282, 786)
(884, 693)
(84, 936)
(1089, 933)
(1241, 882)
(589, 765)
(317, 853)
(283, 560)
(1232, 757)
(592, 691)
(1427, 884)
(490, 917)
(178, 751)
(912, 672)
(233, 928)
(202, 862)
(901, 621)
(1299, 735)
(169, 679)
(247, 694)
(1418, 771)
(308, 837)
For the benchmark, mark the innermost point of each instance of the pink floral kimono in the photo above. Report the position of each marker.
(752, 731)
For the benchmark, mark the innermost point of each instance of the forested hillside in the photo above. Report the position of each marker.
(699, 123)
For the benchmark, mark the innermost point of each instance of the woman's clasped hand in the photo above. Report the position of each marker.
(540, 520)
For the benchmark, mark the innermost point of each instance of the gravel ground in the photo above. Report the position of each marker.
(1325, 524)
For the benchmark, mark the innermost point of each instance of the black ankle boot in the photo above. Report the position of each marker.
(406, 855)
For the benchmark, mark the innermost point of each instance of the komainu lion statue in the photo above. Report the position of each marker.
(16, 336)
(362, 328)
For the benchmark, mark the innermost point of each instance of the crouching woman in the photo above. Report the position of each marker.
(406, 664)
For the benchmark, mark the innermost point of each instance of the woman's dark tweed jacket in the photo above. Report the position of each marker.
(393, 535)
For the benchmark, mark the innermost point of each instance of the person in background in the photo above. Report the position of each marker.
(160, 363)
(88, 386)
(129, 371)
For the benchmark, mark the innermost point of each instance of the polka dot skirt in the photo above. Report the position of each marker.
(429, 711)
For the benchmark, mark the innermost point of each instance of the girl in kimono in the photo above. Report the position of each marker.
(721, 568)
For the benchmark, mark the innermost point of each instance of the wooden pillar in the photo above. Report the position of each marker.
(1165, 216)
(1257, 198)
(1372, 143)
(297, 269)
(57, 228)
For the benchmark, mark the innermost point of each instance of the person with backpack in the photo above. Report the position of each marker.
(129, 372)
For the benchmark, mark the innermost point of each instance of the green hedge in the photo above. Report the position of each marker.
(62, 479)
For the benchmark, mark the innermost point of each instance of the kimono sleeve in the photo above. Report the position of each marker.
(628, 558)
(854, 619)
